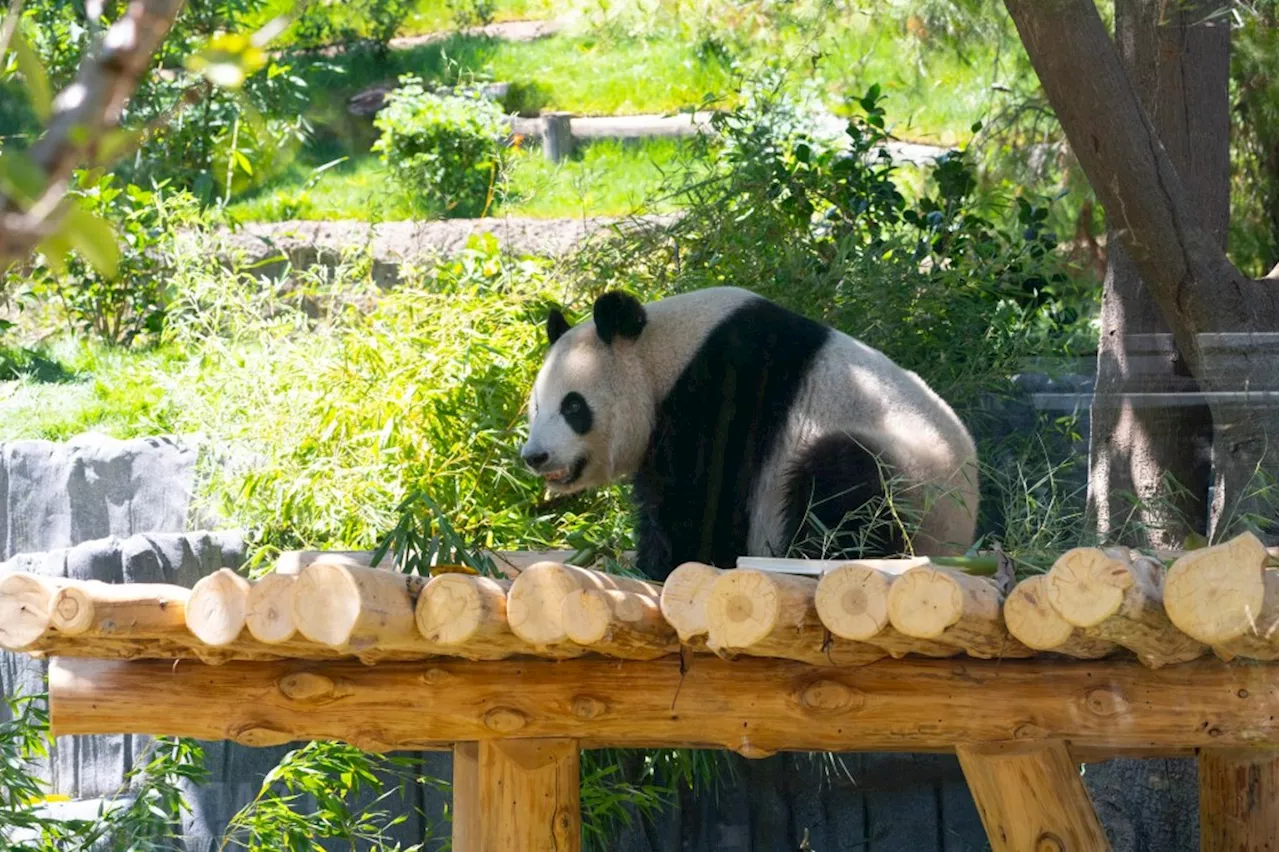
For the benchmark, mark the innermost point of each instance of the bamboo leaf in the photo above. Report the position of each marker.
(38, 88)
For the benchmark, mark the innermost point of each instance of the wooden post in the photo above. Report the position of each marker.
(1238, 790)
(1031, 798)
(516, 794)
(557, 136)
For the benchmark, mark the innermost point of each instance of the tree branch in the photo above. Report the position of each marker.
(1194, 285)
(85, 111)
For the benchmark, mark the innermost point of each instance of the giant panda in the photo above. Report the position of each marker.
(747, 429)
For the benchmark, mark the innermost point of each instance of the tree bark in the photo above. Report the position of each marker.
(83, 115)
(1153, 214)
(1179, 68)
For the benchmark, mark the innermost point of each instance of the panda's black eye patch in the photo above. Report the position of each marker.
(576, 412)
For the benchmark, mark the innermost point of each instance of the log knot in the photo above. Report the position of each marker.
(1050, 842)
(259, 736)
(830, 696)
(505, 720)
(587, 707)
(1106, 701)
(311, 688)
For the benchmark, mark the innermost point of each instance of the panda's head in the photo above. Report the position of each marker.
(591, 410)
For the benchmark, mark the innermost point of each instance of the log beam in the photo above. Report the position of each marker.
(516, 794)
(1238, 798)
(1031, 798)
(753, 705)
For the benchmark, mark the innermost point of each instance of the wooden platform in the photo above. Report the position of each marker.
(1110, 653)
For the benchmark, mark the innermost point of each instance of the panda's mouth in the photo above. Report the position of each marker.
(565, 476)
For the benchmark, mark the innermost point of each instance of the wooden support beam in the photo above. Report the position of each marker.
(1238, 800)
(748, 705)
(516, 794)
(1031, 798)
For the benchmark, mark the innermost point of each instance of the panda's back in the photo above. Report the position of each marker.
(749, 393)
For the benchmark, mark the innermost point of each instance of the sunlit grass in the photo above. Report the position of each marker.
(601, 179)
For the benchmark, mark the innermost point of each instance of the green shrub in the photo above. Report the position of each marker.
(122, 308)
(374, 22)
(472, 13)
(447, 151)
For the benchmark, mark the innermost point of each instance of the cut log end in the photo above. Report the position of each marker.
(536, 601)
(924, 602)
(71, 610)
(1031, 619)
(456, 608)
(24, 610)
(1215, 594)
(1087, 585)
(326, 603)
(853, 601)
(269, 609)
(215, 612)
(587, 616)
(743, 608)
(684, 597)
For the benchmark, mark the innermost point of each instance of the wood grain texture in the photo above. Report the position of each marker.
(955, 609)
(92, 608)
(751, 705)
(1238, 800)
(1117, 595)
(1035, 623)
(216, 607)
(1031, 798)
(517, 795)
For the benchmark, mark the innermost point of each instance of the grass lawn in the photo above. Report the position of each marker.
(601, 179)
(585, 76)
(77, 386)
(428, 16)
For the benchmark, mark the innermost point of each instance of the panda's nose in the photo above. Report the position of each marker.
(534, 458)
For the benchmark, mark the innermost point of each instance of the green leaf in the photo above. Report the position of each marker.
(55, 248)
(20, 179)
(227, 60)
(243, 162)
(93, 238)
(38, 88)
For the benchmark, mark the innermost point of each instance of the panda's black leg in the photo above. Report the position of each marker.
(654, 557)
(839, 503)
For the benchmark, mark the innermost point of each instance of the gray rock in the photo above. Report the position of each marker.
(56, 495)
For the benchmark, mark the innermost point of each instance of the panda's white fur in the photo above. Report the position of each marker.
(626, 376)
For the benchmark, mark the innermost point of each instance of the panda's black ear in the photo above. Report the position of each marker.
(557, 325)
(619, 314)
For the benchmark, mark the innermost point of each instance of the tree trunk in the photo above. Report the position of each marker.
(1157, 453)
(1176, 251)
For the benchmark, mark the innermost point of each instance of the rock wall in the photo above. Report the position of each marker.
(56, 495)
